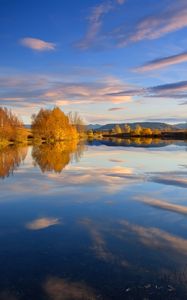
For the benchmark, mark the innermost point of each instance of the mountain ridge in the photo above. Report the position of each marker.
(152, 125)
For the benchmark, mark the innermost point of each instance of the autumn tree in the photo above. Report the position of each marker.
(90, 134)
(127, 128)
(76, 120)
(52, 125)
(113, 131)
(156, 132)
(10, 125)
(118, 129)
(10, 158)
(138, 130)
(147, 131)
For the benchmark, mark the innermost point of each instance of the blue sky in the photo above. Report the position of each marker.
(110, 60)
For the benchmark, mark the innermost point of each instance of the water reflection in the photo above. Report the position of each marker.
(42, 223)
(48, 157)
(137, 142)
(176, 179)
(7, 295)
(61, 289)
(162, 204)
(10, 158)
(109, 226)
(151, 254)
(56, 156)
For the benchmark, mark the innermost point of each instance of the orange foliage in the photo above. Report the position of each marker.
(9, 125)
(54, 157)
(53, 125)
(10, 159)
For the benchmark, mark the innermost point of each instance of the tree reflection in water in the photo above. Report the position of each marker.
(136, 142)
(54, 157)
(10, 158)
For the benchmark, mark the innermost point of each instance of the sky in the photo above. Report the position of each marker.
(109, 60)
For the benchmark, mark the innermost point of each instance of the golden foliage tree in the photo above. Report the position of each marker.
(138, 130)
(118, 129)
(10, 125)
(147, 131)
(156, 132)
(54, 157)
(53, 125)
(127, 128)
(77, 121)
(10, 159)
(90, 134)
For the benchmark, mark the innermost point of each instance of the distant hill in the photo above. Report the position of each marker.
(27, 126)
(181, 126)
(152, 125)
(93, 126)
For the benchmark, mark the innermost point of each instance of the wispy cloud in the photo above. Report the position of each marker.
(152, 27)
(37, 44)
(120, 1)
(163, 62)
(175, 90)
(115, 108)
(27, 93)
(117, 160)
(170, 180)
(24, 91)
(100, 245)
(110, 180)
(170, 119)
(158, 239)
(95, 23)
(42, 223)
(163, 204)
(183, 103)
(56, 287)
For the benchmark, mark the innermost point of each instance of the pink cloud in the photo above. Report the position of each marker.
(95, 24)
(120, 1)
(154, 27)
(37, 44)
(42, 223)
(116, 108)
(163, 62)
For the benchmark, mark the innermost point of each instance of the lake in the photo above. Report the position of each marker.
(102, 220)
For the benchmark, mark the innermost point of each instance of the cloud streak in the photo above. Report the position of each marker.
(26, 91)
(152, 27)
(153, 237)
(42, 223)
(163, 62)
(120, 1)
(171, 180)
(37, 44)
(115, 108)
(175, 90)
(95, 23)
(157, 203)
(59, 288)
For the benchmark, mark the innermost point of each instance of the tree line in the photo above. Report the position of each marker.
(53, 125)
(138, 131)
(127, 131)
(50, 125)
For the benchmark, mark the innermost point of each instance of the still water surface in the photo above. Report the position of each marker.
(106, 220)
